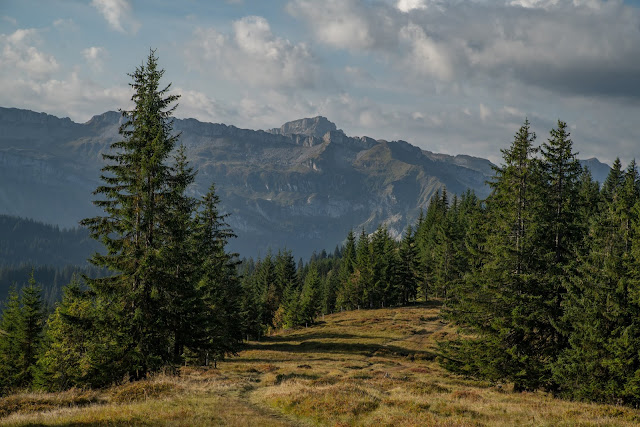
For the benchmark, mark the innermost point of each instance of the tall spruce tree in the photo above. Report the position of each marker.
(508, 315)
(135, 191)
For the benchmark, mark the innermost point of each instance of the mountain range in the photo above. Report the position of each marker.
(301, 186)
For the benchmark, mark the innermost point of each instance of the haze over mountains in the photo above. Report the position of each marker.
(301, 186)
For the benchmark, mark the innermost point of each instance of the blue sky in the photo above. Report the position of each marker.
(452, 76)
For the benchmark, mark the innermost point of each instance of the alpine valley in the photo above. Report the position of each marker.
(301, 186)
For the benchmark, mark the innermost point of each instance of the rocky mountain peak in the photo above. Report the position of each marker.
(314, 126)
(105, 119)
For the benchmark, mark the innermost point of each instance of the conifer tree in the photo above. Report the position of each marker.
(65, 361)
(180, 303)
(330, 290)
(265, 279)
(135, 190)
(347, 265)
(218, 286)
(408, 267)
(309, 306)
(30, 331)
(508, 314)
(601, 362)
(9, 342)
(426, 231)
(362, 277)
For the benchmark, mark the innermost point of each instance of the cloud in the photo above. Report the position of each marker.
(10, 19)
(68, 97)
(409, 5)
(573, 47)
(251, 54)
(118, 14)
(19, 52)
(349, 24)
(198, 105)
(65, 24)
(94, 56)
(426, 56)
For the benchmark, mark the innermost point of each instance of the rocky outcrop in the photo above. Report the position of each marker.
(316, 127)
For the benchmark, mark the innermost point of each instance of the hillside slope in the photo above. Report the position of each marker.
(367, 367)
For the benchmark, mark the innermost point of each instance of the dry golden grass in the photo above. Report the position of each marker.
(367, 367)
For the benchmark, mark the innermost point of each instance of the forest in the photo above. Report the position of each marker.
(542, 278)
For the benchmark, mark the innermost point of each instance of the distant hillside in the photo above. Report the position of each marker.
(24, 241)
(300, 186)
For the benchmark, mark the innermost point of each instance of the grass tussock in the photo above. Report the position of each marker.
(143, 390)
(362, 368)
(33, 402)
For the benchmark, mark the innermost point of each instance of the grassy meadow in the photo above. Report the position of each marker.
(366, 367)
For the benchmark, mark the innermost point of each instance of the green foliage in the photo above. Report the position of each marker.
(173, 291)
(21, 331)
(65, 360)
(516, 289)
(9, 342)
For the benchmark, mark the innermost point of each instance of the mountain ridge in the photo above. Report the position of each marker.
(292, 186)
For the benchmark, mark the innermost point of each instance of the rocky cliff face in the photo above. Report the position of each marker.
(302, 186)
(316, 126)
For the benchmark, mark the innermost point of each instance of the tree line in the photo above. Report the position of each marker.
(546, 283)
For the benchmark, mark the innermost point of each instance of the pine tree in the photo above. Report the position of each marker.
(181, 302)
(286, 281)
(347, 265)
(362, 276)
(30, 328)
(135, 190)
(310, 297)
(408, 267)
(65, 361)
(219, 288)
(426, 231)
(265, 279)
(330, 290)
(601, 362)
(503, 305)
(9, 344)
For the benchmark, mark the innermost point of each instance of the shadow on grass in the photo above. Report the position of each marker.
(344, 348)
(319, 336)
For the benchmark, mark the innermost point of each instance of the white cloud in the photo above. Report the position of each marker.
(532, 4)
(409, 5)
(348, 24)
(251, 54)
(118, 14)
(71, 97)
(94, 56)
(198, 105)
(20, 53)
(427, 56)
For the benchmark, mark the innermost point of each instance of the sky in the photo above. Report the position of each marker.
(450, 76)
